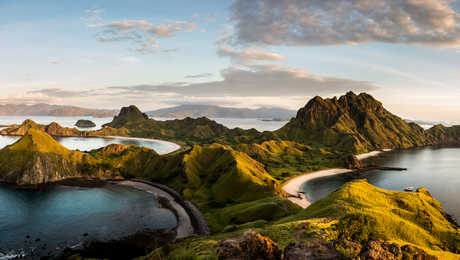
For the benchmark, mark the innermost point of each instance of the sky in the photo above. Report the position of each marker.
(234, 53)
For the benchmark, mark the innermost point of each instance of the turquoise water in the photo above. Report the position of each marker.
(436, 169)
(59, 217)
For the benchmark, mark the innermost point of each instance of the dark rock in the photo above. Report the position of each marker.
(128, 247)
(352, 162)
(85, 123)
(250, 245)
(315, 248)
(85, 234)
(380, 250)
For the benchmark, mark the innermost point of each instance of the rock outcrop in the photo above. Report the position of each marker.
(250, 245)
(311, 249)
(352, 162)
(82, 123)
(380, 250)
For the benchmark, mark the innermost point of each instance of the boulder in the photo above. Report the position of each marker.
(314, 248)
(250, 245)
(380, 250)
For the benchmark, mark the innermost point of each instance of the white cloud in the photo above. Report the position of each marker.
(197, 76)
(332, 22)
(141, 33)
(256, 81)
(248, 55)
(93, 15)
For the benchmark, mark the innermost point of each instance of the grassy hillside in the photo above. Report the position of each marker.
(348, 220)
(38, 158)
(285, 159)
(357, 123)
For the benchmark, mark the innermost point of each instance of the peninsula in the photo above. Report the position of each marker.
(235, 177)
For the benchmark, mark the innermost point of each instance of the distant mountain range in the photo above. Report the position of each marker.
(52, 110)
(196, 111)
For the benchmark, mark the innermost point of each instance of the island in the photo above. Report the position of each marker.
(83, 123)
(236, 179)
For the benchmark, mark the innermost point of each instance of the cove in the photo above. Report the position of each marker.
(90, 143)
(63, 216)
(437, 169)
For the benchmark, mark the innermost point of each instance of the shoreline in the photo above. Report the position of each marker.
(297, 196)
(184, 227)
(189, 219)
(173, 146)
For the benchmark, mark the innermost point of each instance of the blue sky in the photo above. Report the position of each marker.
(106, 54)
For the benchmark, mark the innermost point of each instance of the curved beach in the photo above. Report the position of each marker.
(293, 187)
(172, 146)
(184, 226)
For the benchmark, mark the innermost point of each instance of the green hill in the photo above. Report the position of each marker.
(357, 123)
(357, 220)
(127, 115)
(37, 158)
(186, 131)
(222, 175)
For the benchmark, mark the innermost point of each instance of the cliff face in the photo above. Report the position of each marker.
(37, 159)
(357, 123)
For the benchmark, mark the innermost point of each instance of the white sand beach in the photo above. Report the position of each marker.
(171, 146)
(371, 154)
(293, 186)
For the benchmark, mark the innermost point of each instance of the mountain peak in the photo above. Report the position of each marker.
(357, 123)
(127, 114)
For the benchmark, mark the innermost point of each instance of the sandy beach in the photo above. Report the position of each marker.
(371, 154)
(184, 223)
(172, 146)
(293, 186)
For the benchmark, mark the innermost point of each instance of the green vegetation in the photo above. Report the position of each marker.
(353, 215)
(351, 123)
(401, 217)
(285, 159)
(37, 158)
(234, 176)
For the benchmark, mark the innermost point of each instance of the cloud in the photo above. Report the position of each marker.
(62, 93)
(141, 33)
(92, 15)
(252, 85)
(197, 76)
(25, 99)
(334, 22)
(247, 55)
(259, 80)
